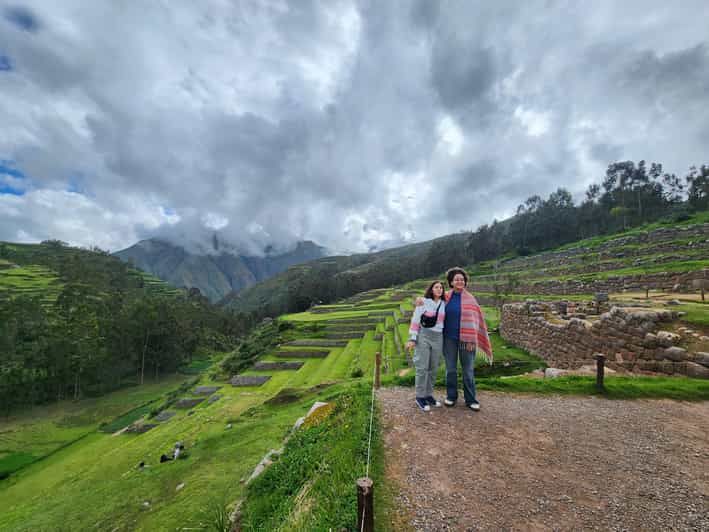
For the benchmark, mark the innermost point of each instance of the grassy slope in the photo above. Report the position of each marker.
(42, 430)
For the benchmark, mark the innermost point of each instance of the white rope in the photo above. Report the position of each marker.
(371, 419)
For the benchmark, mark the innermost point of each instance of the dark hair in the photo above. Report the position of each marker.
(453, 272)
(429, 290)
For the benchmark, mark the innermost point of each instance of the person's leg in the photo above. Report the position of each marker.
(436, 354)
(421, 365)
(467, 363)
(450, 353)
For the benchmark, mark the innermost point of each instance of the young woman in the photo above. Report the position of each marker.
(464, 333)
(426, 338)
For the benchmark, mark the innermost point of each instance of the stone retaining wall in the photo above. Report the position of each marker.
(654, 281)
(631, 338)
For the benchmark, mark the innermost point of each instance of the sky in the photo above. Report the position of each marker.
(356, 124)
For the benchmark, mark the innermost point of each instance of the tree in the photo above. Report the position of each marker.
(698, 188)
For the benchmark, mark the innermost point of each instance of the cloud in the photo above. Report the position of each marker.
(355, 124)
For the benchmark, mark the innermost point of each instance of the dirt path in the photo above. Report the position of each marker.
(528, 462)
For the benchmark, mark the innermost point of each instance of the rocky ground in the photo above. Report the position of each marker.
(528, 462)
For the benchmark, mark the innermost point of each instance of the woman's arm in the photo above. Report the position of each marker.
(415, 325)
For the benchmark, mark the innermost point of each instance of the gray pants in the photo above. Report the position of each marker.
(427, 355)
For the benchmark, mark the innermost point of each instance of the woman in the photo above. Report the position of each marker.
(464, 333)
(425, 335)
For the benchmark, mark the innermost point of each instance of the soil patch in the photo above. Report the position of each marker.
(548, 463)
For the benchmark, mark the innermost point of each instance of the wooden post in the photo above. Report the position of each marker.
(365, 504)
(377, 373)
(600, 370)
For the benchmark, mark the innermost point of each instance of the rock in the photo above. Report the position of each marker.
(676, 287)
(229, 425)
(702, 358)
(650, 340)
(697, 371)
(601, 297)
(673, 302)
(266, 461)
(552, 373)
(667, 339)
(298, 423)
(180, 486)
(675, 353)
(704, 338)
(146, 504)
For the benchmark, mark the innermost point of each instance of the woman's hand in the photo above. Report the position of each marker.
(410, 345)
(468, 346)
(418, 301)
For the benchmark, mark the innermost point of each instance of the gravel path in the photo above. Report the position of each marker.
(528, 462)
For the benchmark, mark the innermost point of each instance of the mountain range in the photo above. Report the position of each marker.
(216, 273)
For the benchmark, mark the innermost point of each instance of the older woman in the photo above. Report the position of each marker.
(464, 333)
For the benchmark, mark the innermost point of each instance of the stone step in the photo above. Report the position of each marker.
(249, 380)
(352, 335)
(382, 313)
(353, 321)
(350, 328)
(302, 354)
(280, 365)
(188, 402)
(205, 390)
(318, 342)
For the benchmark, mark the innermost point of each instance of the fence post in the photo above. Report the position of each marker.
(600, 370)
(377, 373)
(365, 504)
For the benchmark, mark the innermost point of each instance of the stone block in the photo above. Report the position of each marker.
(698, 371)
(702, 358)
(675, 353)
(667, 339)
(650, 340)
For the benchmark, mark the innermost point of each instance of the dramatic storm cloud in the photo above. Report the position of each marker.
(354, 124)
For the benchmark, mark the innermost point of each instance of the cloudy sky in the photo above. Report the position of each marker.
(354, 124)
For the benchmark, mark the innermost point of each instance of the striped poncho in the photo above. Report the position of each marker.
(472, 324)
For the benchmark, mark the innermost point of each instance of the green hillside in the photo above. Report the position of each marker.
(77, 322)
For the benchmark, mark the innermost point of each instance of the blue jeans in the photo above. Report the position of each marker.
(452, 351)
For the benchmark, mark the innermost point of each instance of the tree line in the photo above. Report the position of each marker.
(105, 329)
(630, 194)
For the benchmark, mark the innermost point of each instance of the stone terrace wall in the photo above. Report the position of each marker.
(654, 281)
(631, 339)
(665, 238)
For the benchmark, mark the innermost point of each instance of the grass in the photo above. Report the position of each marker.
(42, 430)
(696, 313)
(617, 387)
(312, 485)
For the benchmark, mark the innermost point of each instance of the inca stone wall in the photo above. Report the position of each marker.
(631, 338)
(654, 281)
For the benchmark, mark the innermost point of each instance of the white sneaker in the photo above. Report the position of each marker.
(474, 406)
(448, 402)
(423, 405)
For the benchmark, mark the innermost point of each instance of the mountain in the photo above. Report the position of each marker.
(216, 274)
(330, 278)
